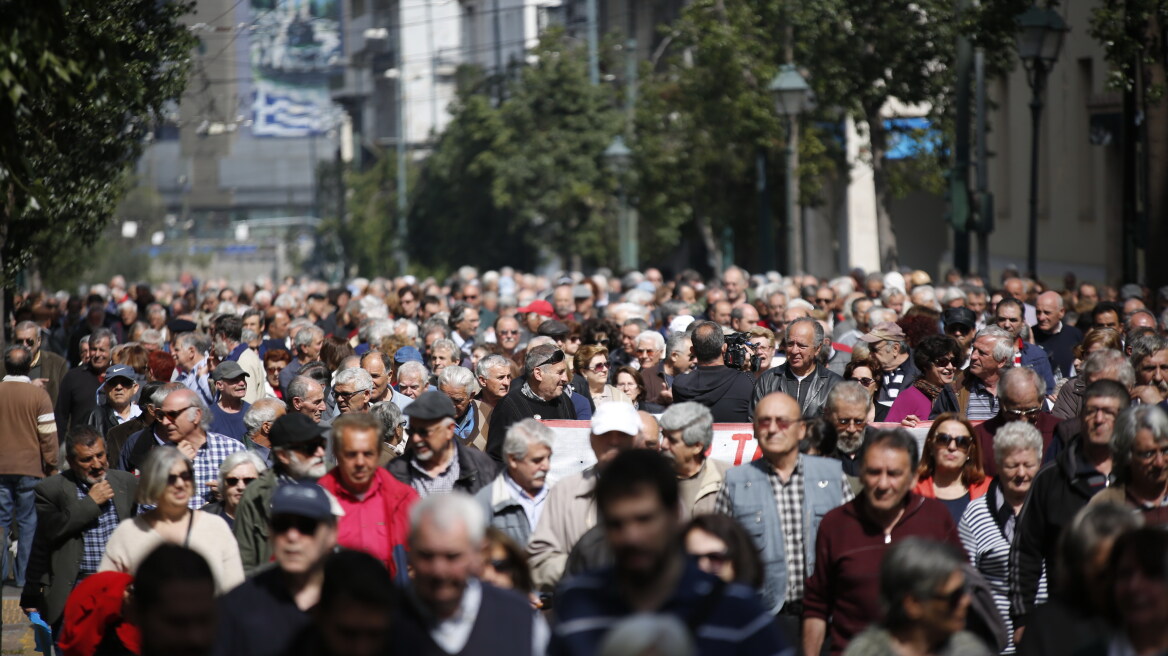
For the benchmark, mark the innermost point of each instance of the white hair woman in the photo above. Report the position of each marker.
(167, 483)
(236, 472)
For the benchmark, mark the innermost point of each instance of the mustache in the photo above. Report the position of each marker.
(539, 475)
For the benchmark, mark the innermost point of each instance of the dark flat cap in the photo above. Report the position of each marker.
(228, 370)
(294, 428)
(180, 326)
(553, 328)
(430, 406)
(959, 316)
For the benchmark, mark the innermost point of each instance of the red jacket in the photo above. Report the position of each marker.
(397, 498)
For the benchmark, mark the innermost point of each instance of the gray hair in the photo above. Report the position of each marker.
(205, 416)
(913, 567)
(151, 336)
(372, 331)
(879, 313)
(484, 367)
(677, 341)
(152, 480)
(261, 412)
(889, 293)
(1016, 436)
(1003, 349)
(848, 391)
(236, 459)
(105, 333)
(299, 387)
(537, 354)
(408, 327)
(1093, 526)
(1145, 346)
(445, 345)
(643, 633)
(160, 394)
(818, 327)
(522, 434)
(360, 379)
(458, 376)
(307, 335)
(1130, 422)
(1010, 374)
(389, 415)
(446, 511)
(413, 367)
(1105, 359)
(191, 340)
(694, 420)
(650, 336)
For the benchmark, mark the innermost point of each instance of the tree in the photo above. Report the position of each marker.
(81, 82)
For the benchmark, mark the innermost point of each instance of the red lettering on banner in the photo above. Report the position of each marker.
(742, 439)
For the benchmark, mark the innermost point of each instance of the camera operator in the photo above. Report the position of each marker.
(725, 391)
(800, 376)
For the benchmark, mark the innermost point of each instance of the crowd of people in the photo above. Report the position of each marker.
(287, 467)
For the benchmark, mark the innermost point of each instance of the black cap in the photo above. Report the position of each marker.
(430, 406)
(294, 428)
(959, 316)
(553, 329)
(180, 326)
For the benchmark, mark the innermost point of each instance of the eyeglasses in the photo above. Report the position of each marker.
(648, 351)
(823, 301)
(715, 558)
(555, 358)
(1149, 456)
(601, 342)
(345, 396)
(27, 342)
(601, 366)
(942, 362)
(502, 566)
(865, 381)
(308, 448)
(1089, 411)
(1024, 413)
(952, 599)
(844, 422)
(779, 422)
(186, 477)
(304, 525)
(945, 440)
(508, 332)
(173, 415)
(233, 481)
(420, 432)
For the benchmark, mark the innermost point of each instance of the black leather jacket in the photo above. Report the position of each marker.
(778, 379)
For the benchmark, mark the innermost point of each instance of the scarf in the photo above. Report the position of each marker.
(928, 389)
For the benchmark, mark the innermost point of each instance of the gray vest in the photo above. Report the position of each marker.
(752, 502)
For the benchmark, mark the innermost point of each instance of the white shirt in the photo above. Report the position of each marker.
(451, 634)
(532, 507)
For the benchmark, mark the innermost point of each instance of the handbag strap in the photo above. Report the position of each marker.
(190, 525)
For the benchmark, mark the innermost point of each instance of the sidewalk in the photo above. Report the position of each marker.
(17, 634)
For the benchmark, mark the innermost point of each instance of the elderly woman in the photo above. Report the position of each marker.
(925, 598)
(1109, 363)
(167, 483)
(686, 432)
(592, 363)
(1139, 461)
(863, 371)
(987, 527)
(236, 472)
(950, 469)
(392, 431)
(630, 381)
(939, 358)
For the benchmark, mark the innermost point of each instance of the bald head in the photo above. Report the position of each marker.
(1049, 311)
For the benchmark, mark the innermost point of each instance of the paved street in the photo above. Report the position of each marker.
(17, 636)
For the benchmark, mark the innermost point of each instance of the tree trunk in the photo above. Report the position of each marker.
(713, 253)
(878, 137)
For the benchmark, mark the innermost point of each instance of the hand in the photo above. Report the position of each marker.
(214, 485)
(202, 370)
(910, 421)
(30, 611)
(40, 382)
(1018, 634)
(188, 450)
(102, 492)
(666, 394)
(1148, 394)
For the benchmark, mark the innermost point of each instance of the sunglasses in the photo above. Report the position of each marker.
(121, 382)
(942, 362)
(304, 525)
(26, 342)
(233, 481)
(716, 558)
(823, 301)
(1025, 413)
(945, 439)
(345, 396)
(508, 332)
(186, 477)
(310, 447)
(422, 433)
(952, 599)
(173, 415)
(502, 566)
(603, 366)
(865, 381)
(554, 358)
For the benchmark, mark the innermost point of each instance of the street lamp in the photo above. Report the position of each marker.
(619, 159)
(792, 97)
(1039, 39)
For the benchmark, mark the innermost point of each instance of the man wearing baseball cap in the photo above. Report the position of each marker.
(890, 348)
(230, 381)
(436, 462)
(117, 407)
(298, 452)
(536, 313)
(265, 613)
(961, 324)
(570, 510)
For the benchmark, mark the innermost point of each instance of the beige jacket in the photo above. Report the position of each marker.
(709, 483)
(250, 362)
(568, 513)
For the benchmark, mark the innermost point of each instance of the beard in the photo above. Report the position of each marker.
(313, 469)
(849, 443)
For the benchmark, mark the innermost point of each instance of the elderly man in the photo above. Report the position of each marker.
(734, 281)
(411, 379)
(263, 615)
(848, 332)
(515, 500)
(1052, 335)
(960, 324)
(187, 423)
(48, 369)
(1107, 364)
(380, 366)
(443, 353)
(77, 395)
(889, 346)
(305, 396)
(298, 453)
(775, 495)
(259, 421)
(1008, 317)
(1021, 392)
(649, 348)
(846, 410)
(448, 610)
(564, 303)
(230, 408)
(541, 395)
(376, 505)
(992, 354)
(464, 325)
(1140, 447)
(570, 510)
(801, 376)
(1149, 358)
(227, 340)
(193, 370)
(843, 588)
(725, 391)
(494, 376)
(306, 347)
(460, 385)
(436, 462)
(743, 317)
(508, 335)
(1059, 491)
(120, 387)
(352, 388)
(687, 431)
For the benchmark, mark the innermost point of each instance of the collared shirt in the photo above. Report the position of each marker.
(206, 465)
(363, 526)
(135, 411)
(452, 633)
(464, 345)
(426, 484)
(982, 404)
(194, 382)
(96, 534)
(464, 428)
(532, 506)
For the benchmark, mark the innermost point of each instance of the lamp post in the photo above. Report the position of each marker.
(1039, 39)
(792, 96)
(619, 157)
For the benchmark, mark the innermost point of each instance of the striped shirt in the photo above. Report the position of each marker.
(982, 404)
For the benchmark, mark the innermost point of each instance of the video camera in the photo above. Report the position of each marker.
(739, 352)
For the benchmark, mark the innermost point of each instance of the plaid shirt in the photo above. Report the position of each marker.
(425, 484)
(207, 460)
(789, 501)
(95, 536)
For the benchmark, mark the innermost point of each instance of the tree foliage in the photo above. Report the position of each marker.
(81, 82)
